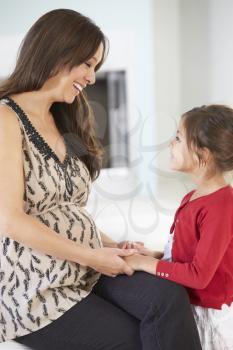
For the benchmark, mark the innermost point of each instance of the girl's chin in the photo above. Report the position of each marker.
(174, 166)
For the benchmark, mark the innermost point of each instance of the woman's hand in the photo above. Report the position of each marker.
(110, 262)
(141, 249)
(142, 263)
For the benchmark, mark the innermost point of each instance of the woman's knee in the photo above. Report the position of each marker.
(178, 292)
(168, 293)
(126, 333)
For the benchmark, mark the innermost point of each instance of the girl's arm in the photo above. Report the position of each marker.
(216, 233)
(142, 263)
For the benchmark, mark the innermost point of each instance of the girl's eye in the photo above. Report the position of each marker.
(88, 64)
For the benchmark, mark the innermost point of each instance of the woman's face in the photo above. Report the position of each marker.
(69, 83)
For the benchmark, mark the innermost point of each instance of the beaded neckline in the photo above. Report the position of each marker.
(34, 136)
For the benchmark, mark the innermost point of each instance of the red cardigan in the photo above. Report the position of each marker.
(202, 251)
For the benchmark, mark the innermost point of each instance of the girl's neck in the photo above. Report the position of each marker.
(207, 184)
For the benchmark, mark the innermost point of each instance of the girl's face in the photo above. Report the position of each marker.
(182, 159)
(69, 83)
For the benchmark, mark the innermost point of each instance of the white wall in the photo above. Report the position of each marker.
(195, 53)
(206, 52)
(168, 72)
(221, 46)
(194, 66)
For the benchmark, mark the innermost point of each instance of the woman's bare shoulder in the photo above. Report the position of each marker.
(9, 124)
(11, 169)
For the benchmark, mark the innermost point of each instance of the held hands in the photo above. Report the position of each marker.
(130, 245)
(141, 249)
(110, 262)
(125, 259)
(144, 260)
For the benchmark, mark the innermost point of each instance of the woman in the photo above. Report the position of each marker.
(52, 254)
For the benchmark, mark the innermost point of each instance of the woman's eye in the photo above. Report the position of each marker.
(88, 64)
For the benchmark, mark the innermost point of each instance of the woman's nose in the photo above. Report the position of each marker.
(90, 78)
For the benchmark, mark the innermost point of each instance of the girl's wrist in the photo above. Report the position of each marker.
(155, 266)
(148, 264)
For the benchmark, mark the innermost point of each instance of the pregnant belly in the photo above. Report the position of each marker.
(29, 270)
(74, 222)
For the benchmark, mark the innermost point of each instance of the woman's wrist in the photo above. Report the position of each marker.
(112, 245)
(86, 256)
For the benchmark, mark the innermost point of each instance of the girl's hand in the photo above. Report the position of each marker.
(110, 262)
(130, 245)
(142, 263)
(148, 252)
(141, 249)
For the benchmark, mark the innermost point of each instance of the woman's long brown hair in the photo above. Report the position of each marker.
(61, 38)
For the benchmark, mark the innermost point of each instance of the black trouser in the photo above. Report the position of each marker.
(125, 313)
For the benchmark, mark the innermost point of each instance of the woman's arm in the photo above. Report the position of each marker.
(17, 225)
(107, 241)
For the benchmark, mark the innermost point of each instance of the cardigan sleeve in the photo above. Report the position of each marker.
(216, 232)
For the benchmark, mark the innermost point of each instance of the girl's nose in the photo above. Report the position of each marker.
(171, 143)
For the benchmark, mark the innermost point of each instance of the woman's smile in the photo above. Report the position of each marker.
(78, 87)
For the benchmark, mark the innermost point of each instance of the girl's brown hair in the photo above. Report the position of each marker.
(211, 127)
(61, 38)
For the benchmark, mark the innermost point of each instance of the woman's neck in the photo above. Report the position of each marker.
(35, 103)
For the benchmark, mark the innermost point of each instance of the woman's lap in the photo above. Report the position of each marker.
(136, 293)
(92, 324)
(120, 311)
(162, 306)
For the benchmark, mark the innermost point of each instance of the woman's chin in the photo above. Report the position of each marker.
(70, 99)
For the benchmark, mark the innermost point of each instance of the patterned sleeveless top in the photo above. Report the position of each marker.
(37, 288)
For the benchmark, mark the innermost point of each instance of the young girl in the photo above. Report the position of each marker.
(201, 244)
